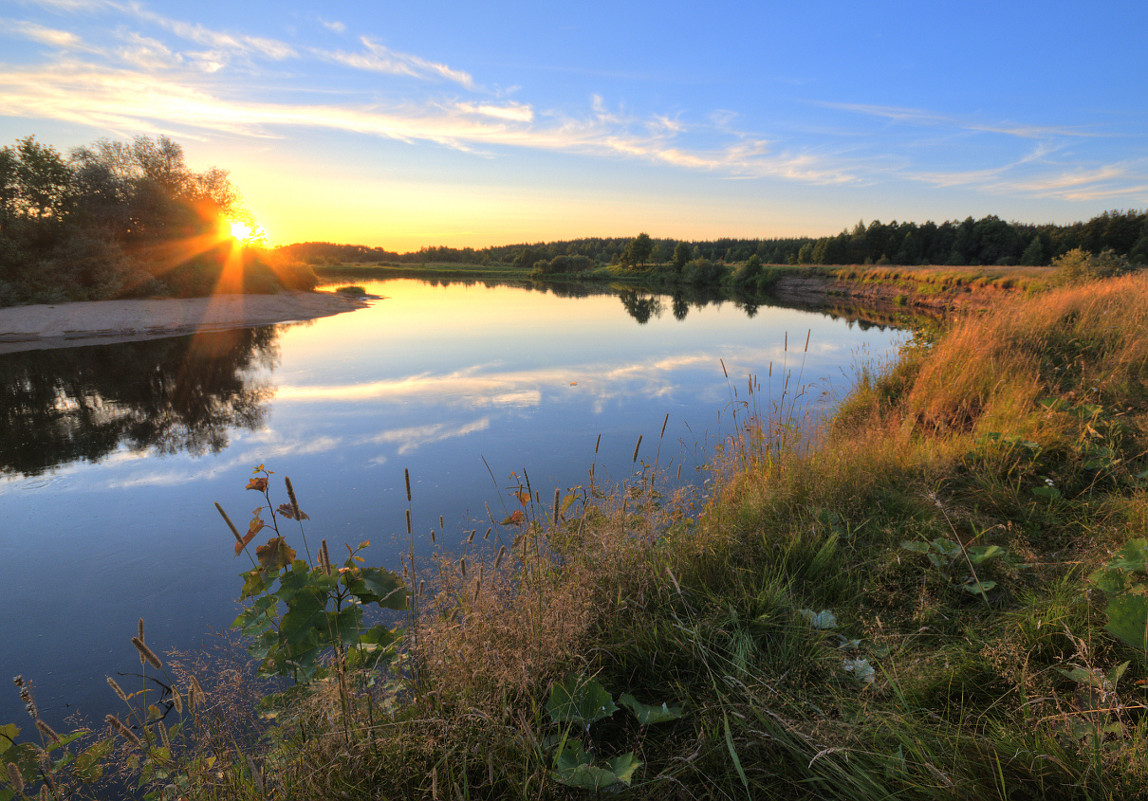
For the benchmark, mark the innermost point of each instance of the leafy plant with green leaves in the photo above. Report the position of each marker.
(945, 554)
(586, 702)
(302, 609)
(1124, 580)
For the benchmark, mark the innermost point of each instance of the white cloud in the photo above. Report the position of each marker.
(64, 40)
(379, 58)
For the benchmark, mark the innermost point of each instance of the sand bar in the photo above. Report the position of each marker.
(65, 325)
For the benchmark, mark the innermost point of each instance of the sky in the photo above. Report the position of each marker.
(402, 125)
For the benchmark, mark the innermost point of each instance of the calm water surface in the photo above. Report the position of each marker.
(111, 456)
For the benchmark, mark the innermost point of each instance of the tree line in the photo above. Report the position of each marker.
(988, 241)
(116, 219)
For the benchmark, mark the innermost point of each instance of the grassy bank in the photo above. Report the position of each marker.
(920, 601)
(901, 285)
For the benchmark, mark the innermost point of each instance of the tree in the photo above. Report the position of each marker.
(42, 180)
(681, 256)
(637, 252)
(1033, 255)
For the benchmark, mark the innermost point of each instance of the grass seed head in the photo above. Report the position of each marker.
(117, 689)
(147, 654)
(16, 778)
(124, 730)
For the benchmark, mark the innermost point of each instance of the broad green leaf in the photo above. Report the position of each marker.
(1133, 557)
(1128, 619)
(345, 624)
(307, 611)
(647, 714)
(1117, 672)
(1087, 678)
(8, 734)
(1051, 493)
(572, 767)
(1111, 580)
(982, 553)
(917, 547)
(254, 582)
(623, 767)
(89, 762)
(381, 586)
(819, 620)
(579, 701)
(861, 670)
(947, 547)
(974, 587)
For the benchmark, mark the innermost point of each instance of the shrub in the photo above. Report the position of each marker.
(1079, 265)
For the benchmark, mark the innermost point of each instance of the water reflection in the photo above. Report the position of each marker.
(180, 394)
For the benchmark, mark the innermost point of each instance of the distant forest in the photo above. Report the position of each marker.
(984, 242)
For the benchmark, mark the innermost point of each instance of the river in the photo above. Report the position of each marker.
(111, 456)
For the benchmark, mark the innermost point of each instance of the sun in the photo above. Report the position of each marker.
(242, 231)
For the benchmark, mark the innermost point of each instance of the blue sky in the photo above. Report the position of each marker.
(404, 124)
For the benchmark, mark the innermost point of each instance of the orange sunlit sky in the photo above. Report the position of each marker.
(404, 125)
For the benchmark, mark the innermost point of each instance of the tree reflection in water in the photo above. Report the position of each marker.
(164, 395)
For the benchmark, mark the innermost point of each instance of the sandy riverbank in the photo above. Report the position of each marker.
(62, 325)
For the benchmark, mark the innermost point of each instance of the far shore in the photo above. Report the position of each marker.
(65, 325)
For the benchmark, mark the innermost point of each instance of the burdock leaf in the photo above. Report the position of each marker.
(1128, 619)
(259, 483)
(514, 519)
(648, 714)
(578, 701)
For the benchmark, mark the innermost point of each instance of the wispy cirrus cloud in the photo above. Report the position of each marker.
(65, 40)
(376, 57)
(932, 118)
(130, 99)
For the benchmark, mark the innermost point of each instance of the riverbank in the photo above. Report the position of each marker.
(923, 605)
(882, 289)
(66, 325)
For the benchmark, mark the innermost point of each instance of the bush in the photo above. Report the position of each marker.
(1078, 265)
